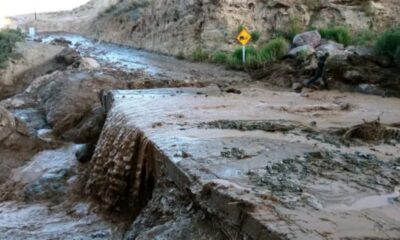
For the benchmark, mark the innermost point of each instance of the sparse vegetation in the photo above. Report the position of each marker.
(339, 34)
(255, 36)
(389, 43)
(238, 53)
(365, 37)
(240, 28)
(8, 40)
(274, 49)
(199, 55)
(220, 57)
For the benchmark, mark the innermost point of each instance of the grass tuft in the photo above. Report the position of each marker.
(389, 43)
(220, 57)
(274, 49)
(199, 55)
(255, 36)
(339, 34)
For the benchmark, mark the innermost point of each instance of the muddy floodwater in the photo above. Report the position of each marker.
(161, 66)
(232, 159)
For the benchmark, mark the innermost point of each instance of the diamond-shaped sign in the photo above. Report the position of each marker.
(244, 37)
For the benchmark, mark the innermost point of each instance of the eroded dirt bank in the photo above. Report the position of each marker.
(180, 26)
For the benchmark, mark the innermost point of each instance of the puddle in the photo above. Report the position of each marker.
(375, 201)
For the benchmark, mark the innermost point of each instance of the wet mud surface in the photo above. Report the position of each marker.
(232, 160)
(295, 158)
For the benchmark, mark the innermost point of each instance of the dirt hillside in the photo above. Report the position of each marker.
(180, 26)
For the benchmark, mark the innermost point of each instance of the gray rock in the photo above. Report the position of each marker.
(370, 89)
(51, 185)
(85, 153)
(332, 48)
(359, 50)
(302, 52)
(312, 38)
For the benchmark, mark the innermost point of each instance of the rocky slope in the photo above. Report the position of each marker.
(175, 26)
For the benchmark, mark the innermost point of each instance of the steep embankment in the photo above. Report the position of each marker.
(174, 26)
(180, 26)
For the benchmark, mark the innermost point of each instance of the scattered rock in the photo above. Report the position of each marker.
(297, 87)
(61, 42)
(330, 47)
(235, 153)
(233, 90)
(89, 64)
(85, 153)
(370, 89)
(68, 56)
(15, 135)
(312, 38)
(302, 52)
(71, 100)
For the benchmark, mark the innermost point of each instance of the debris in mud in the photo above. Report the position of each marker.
(233, 90)
(291, 177)
(171, 214)
(61, 42)
(251, 125)
(372, 132)
(235, 153)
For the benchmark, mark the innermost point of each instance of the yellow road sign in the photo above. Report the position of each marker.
(244, 37)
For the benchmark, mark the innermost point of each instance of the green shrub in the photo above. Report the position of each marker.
(8, 40)
(253, 61)
(199, 55)
(234, 63)
(389, 43)
(238, 53)
(364, 37)
(339, 34)
(274, 49)
(255, 36)
(220, 57)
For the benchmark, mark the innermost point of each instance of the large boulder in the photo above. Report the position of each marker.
(71, 99)
(330, 47)
(14, 134)
(312, 38)
(302, 52)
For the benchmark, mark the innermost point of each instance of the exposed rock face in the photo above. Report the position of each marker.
(175, 26)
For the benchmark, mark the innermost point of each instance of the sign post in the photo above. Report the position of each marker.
(244, 38)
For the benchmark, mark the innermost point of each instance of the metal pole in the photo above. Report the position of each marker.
(244, 54)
